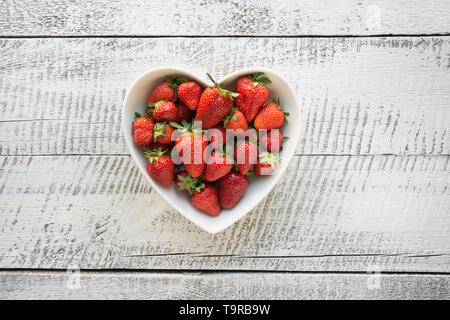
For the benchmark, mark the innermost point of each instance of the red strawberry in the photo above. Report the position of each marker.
(190, 146)
(218, 165)
(267, 163)
(159, 166)
(155, 145)
(162, 133)
(189, 93)
(235, 120)
(206, 200)
(231, 188)
(217, 138)
(271, 141)
(271, 116)
(183, 113)
(164, 111)
(215, 103)
(246, 155)
(163, 91)
(143, 131)
(253, 93)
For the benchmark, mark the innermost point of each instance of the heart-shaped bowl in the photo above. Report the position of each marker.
(258, 188)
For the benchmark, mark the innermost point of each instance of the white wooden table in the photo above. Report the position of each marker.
(363, 211)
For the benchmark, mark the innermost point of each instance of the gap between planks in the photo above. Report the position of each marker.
(209, 271)
(300, 36)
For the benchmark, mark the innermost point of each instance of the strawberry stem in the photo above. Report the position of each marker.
(211, 78)
(224, 93)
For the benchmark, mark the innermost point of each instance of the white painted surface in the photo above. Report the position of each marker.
(211, 286)
(367, 191)
(329, 213)
(358, 96)
(215, 17)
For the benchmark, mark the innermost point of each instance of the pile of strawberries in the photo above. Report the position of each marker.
(214, 179)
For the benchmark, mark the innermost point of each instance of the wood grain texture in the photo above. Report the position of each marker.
(215, 17)
(51, 285)
(329, 213)
(358, 96)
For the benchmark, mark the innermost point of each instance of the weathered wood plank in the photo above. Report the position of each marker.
(328, 213)
(213, 17)
(358, 96)
(51, 285)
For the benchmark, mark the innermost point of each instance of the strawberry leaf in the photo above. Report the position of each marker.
(259, 78)
(154, 155)
(159, 130)
(181, 80)
(137, 115)
(271, 159)
(230, 116)
(199, 187)
(250, 174)
(188, 183)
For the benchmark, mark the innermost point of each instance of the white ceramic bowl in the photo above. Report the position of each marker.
(258, 188)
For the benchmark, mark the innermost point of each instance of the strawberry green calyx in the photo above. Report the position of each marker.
(230, 116)
(172, 82)
(259, 78)
(137, 115)
(186, 127)
(154, 155)
(181, 80)
(249, 174)
(183, 127)
(283, 141)
(271, 159)
(190, 184)
(159, 130)
(224, 93)
(153, 105)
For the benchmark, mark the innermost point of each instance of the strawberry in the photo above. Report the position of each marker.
(143, 131)
(164, 111)
(159, 166)
(190, 145)
(271, 141)
(267, 163)
(253, 93)
(155, 145)
(271, 116)
(189, 93)
(183, 113)
(163, 91)
(218, 165)
(162, 133)
(235, 120)
(215, 103)
(231, 188)
(206, 199)
(246, 155)
(217, 139)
